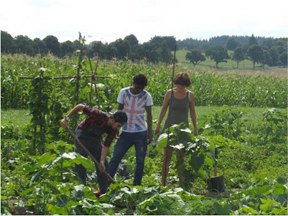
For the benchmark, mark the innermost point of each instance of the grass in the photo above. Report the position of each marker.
(15, 117)
(204, 113)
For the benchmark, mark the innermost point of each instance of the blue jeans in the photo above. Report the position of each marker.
(125, 141)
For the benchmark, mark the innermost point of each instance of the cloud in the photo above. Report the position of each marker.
(108, 20)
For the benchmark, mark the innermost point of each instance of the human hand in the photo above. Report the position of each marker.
(64, 123)
(149, 137)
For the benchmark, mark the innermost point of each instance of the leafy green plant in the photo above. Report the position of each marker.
(275, 125)
(227, 122)
(262, 197)
(38, 105)
(201, 152)
(45, 183)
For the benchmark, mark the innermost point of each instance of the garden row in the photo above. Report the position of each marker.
(252, 159)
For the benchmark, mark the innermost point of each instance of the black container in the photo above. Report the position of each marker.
(216, 184)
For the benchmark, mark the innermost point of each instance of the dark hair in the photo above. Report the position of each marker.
(140, 80)
(182, 78)
(120, 117)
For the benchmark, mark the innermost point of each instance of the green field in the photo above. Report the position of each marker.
(242, 112)
(230, 64)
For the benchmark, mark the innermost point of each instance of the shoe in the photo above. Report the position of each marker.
(97, 193)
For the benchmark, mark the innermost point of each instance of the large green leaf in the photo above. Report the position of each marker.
(45, 158)
(197, 161)
(162, 142)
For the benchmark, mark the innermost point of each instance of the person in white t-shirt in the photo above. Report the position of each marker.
(134, 101)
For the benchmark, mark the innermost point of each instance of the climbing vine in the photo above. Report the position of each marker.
(38, 106)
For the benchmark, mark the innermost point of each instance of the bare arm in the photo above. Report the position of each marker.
(74, 111)
(104, 153)
(163, 111)
(149, 123)
(193, 113)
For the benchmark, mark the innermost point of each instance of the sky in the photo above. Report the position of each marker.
(109, 20)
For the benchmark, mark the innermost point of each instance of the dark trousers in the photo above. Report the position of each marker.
(93, 145)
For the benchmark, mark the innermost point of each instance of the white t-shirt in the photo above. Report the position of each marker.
(134, 106)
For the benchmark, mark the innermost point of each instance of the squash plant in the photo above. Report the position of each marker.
(201, 152)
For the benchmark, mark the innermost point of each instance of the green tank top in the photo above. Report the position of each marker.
(178, 111)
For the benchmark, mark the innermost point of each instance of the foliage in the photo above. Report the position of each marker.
(217, 54)
(252, 151)
(46, 183)
(227, 123)
(201, 152)
(38, 105)
(195, 56)
(238, 55)
(256, 53)
(155, 50)
(210, 88)
(262, 197)
(256, 91)
(232, 43)
(275, 125)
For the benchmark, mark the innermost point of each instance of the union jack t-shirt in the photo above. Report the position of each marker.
(134, 106)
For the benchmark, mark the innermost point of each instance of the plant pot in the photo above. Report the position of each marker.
(216, 184)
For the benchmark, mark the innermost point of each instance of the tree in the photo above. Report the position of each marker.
(39, 46)
(122, 48)
(232, 44)
(170, 41)
(238, 55)
(195, 56)
(217, 54)
(274, 56)
(52, 45)
(252, 41)
(7, 43)
(256, 54)
(165, 54)
(24, 45)
(281, 45)
(67, 48)
(77, 44)
(149, 52)
(111, 51)
(132, 40)
(266, 58)
(97, 48)
(133, 46)
(283, 59)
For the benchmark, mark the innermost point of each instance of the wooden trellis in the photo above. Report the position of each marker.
(77, 77)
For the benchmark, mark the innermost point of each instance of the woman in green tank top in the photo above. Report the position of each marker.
(180, 102)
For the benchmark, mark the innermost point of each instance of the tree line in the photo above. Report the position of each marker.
(265, 51)
(270, 51)
(158, 49)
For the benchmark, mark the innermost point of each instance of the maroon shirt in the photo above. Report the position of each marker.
(98, 118)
